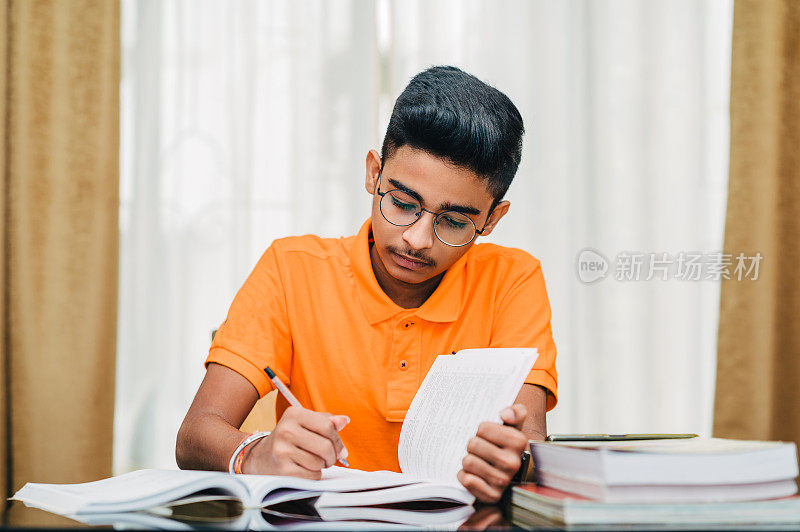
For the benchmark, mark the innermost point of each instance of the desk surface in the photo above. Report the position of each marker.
(489, 516)
(482, 518)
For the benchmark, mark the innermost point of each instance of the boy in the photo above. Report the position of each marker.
(352, 325)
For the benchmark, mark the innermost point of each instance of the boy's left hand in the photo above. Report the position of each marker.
(493, 455)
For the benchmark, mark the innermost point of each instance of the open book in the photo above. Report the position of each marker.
(458, 393)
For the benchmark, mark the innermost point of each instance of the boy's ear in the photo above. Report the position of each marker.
(497, 213)
(373, 169)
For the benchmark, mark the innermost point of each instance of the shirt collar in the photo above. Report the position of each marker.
(442, 306)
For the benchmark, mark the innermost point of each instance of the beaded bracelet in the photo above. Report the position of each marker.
(235, 463)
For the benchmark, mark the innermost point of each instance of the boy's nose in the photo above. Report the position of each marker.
(420, 235)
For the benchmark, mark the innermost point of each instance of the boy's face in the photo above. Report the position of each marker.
(413, 254)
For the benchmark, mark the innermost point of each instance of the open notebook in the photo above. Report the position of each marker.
(458, 393)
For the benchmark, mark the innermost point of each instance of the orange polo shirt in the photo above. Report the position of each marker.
(313, 311)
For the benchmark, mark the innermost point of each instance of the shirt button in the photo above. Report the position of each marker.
(403, 365)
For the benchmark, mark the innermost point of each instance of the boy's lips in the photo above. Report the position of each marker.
(408, 262)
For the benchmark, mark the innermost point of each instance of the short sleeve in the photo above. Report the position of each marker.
(523, 320)
(256, 332)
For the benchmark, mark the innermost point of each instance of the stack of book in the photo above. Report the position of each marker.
(692, 482)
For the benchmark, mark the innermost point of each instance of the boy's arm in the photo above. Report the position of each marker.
(535, 400)
(302, 443)
(255, 334)
(209, 434)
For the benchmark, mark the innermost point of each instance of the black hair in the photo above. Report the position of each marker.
(455, 116)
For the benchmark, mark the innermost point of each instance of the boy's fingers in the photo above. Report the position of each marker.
(309, 461)
(340, 422)
(323, 425)
(319, 446)
(503, 436)
(297, 470)
(514, 415)
(328, 426)
(503, 459)
(478, 487)
(481, 468)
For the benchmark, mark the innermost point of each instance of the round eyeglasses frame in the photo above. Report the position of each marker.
(436, 216)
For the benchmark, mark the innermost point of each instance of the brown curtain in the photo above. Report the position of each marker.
(758, 375)
(58, 224)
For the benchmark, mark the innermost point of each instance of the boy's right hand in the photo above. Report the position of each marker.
(301, 445)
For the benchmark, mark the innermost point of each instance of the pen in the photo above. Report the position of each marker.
(291, 398)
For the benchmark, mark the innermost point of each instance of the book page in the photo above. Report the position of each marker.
(412, 493)
(270, 489)
(459, 392)
(131, 491)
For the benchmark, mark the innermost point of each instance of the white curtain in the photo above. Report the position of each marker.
(244, 122)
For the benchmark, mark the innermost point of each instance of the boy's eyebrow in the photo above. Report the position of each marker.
(446, 206)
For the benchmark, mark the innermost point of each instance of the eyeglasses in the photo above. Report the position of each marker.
(452, 228)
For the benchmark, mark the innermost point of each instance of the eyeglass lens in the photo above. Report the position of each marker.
(451, 227)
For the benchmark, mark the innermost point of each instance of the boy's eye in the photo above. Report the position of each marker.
(453, 223)
(403, 205)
